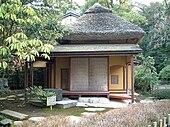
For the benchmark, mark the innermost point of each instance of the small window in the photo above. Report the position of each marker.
(114, 79)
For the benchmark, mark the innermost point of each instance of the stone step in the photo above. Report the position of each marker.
(66, 103)
(101, 100)
(14, 115)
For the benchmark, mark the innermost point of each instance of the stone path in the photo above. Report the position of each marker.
(14, 115)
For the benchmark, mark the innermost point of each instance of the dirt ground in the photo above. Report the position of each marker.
(26, 108)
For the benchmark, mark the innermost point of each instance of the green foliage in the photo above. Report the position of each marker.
(2, 117)
(164, 75)
(145, 74)
(15, 45)
(156, 43)
(39, 93)
(161, 94)
(123, 8)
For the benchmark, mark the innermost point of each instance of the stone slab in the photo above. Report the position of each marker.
(20, 95)
(36, 119)
(3, 98)
(18, 123)
(86, 114)
(94, 109)
(6, 122)
(11, 99)
(82, 105)
(95, 100)
(11, 96)
(111, 104)
(38, 103)
(14, 115)
(66, 103)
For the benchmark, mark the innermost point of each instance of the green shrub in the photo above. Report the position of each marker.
(2, 117)
(39, 93)
(161, 94)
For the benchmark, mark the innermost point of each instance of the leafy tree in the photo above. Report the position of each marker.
(15, 46)
(145, 74)
(164, 75)
(156, 43)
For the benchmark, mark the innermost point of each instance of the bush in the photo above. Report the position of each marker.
(161, 94)
(2, 117)
(37, 92)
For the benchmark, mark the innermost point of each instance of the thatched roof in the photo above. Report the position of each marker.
(99, 23)
(97, 49)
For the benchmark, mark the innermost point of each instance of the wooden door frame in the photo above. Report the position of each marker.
(68, 77)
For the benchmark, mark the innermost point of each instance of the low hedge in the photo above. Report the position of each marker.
(161, 94)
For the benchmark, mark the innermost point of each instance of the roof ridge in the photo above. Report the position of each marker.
(97, 8)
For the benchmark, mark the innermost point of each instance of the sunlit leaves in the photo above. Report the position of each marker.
(14, 43)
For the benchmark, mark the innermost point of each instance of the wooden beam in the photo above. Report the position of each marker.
(132, 79)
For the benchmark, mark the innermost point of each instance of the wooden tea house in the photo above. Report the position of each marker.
(96, 59)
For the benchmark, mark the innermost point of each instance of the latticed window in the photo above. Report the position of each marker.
(115, 79)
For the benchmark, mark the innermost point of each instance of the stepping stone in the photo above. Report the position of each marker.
(14, 115)
(38, 103)
(5, 122)
(11, 99)
(3, 98)
(18, 123)
(94, 109)
(11, 96)
(20, 95)
(66, 103)
(73, 119)
(81, 105)
(36, 119)
(22, 99)
(88, 114)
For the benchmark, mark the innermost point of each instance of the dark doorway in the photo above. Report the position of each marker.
(65, 79)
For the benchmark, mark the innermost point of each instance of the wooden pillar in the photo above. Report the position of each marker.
(32, 75)
(132, 79)
(55, 73)
(48, 75)
(127, 78)
(26, 81)
(124, 78)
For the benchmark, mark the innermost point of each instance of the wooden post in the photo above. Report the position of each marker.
(168, 120)
(132, 79)
(26, 81)
(127, 77)
(155, 124)
(124, 78)
(32, 75)
(164, 122)
(160, 123)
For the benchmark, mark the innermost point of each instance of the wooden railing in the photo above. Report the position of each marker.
(165, 122)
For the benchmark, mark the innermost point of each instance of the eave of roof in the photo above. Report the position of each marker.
(96, 49)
